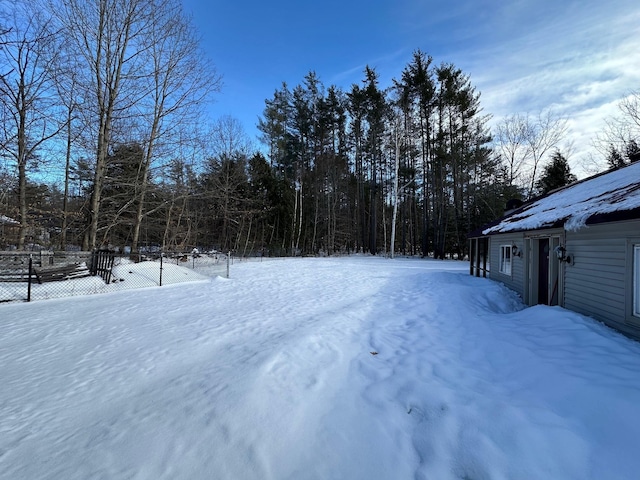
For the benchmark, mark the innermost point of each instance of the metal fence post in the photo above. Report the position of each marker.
(228, 262)
(29, 281)
(161, 255)
(93, 268)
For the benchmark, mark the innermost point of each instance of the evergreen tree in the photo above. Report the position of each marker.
(119, 197)
(556, 174)
(615, 159)
(419, 77)
(377, 114)
(225, 191)
(633, 151)
(271, 200)
(356, 107)
(275, 126)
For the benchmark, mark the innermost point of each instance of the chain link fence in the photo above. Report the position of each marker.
(26, 276)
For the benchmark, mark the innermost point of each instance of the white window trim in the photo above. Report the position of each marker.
(506, 260)
(636, 281)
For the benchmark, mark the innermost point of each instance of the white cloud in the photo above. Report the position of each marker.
(579, 69)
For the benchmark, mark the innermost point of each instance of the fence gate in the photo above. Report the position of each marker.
(102, 263)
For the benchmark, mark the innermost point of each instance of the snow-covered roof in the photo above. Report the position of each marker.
(611, 192)
(8, 221)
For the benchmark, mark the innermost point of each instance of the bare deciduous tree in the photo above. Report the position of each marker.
(630, 107)
(522, 142)
(66, 83)
(178, 81)
(105, 36)
(543, 136)
(228, 138)
(511, 145)
(622, 129)
(28, 116)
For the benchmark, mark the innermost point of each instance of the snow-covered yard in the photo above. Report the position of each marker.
(349, 368)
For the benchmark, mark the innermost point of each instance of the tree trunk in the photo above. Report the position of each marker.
(395, 198)
(22, 187)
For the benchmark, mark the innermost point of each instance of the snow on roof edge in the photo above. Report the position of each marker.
(605, 193)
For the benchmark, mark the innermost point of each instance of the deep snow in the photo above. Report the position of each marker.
(354, 368)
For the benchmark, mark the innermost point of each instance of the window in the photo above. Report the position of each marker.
(505, 259)
(636, 280)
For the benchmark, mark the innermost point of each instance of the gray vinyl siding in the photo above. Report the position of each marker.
(598, 282)
(515, 281)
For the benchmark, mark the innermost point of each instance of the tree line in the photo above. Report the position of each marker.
(109, 96)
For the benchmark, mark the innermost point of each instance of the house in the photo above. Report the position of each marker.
(577, 247)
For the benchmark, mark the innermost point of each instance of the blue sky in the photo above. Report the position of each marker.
(577, 57)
